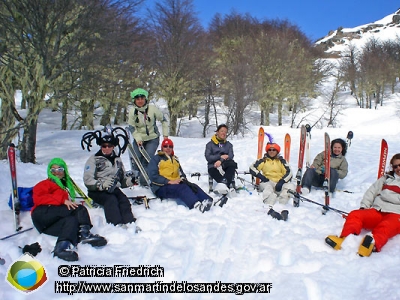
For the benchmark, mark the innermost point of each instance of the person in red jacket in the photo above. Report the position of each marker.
(56, 213)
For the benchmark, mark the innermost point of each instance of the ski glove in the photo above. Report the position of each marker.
(279, 184)
(322, 170)
(33, 249)
(105, 184)
(262, 177)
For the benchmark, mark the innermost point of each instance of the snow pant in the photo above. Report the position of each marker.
(183, 193)
(312, 178)
(227, 178)
(383, 225)
(117, 208)
(270, 196)
(150, 147)
(61, 222)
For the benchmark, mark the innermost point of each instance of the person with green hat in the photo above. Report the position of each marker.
(56, 213)
(142, 123)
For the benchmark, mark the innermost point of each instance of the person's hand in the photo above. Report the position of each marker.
(175, 181)
(262, 177)
(165, 137)
(70, 205)
(139, 143)
(225, 156)
(106, 184)
(217, 164)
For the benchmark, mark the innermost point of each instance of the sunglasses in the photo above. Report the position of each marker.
(272, 150)
(107, 146)
(395, 166)
(54, 170)
(169, 146)
(139, 96)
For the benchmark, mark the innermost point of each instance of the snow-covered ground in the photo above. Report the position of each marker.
(238, 243)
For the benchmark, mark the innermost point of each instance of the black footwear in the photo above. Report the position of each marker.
(221, 201)
(63, 250)
(275, 214)
(85, 237)
(284, 214)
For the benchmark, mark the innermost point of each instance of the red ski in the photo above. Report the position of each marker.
(383, 158)
(287, 143)
(299, 173)
(260, 149)
(327, 159)
(14, 194)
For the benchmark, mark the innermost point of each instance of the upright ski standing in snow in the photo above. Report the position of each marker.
(287, 143)
(327, 159)
(308, 141)
(349, 138)
(14, 194)
(261, 136)
(303, 134)
(383, 158)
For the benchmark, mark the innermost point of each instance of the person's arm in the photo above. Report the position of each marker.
(164, 122)
(343, 168)
(372, 192)
(154, 172)
(210, 156)
(49, 193)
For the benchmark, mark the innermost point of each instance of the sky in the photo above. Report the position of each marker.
(238, 243)
(314, 17)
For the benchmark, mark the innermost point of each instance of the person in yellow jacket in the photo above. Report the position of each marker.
(275, 175)
(142, 123)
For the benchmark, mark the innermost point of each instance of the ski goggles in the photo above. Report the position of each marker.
(54, 170)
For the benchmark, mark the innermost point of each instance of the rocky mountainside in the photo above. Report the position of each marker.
(337, 40)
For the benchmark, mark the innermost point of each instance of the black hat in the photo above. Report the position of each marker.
(107, 139)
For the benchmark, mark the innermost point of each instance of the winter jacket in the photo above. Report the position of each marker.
(383, 195)
(163, 168)
(214, 150)
(339, 163)
(98, 168)
(274, 169)
(47, 192)
(143, 121)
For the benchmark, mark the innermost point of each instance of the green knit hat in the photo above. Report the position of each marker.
(138, 92)
(69, 185)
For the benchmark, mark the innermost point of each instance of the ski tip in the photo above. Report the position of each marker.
(350, 135)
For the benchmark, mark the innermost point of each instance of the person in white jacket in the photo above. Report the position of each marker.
(379, 212)
(142, 123)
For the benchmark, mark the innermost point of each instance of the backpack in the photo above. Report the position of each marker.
(25, 198)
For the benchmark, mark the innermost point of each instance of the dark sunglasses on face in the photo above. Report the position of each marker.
(169, 146)
(139, 96)
(271, 149)
(395, 166)
(53, 170)
(107, 146)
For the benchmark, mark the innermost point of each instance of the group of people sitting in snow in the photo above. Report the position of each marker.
(56, 212)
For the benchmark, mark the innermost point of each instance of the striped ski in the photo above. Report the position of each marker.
(261, 136)
(299, 173)
(383, 158)
(327, 160)
(287, 143)
(14, 194)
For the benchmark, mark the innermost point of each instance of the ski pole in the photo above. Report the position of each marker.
(14, 234)
(325, 207)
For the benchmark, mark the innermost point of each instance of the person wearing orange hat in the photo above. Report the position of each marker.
(275, 175)
(169, 181)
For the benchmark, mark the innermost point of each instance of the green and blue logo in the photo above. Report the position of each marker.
(26, 274)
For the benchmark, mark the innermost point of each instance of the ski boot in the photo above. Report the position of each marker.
(63, 250)
(367, 246)
(85, 237)
(334, 241)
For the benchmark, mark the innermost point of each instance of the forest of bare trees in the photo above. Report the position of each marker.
(75, 56)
